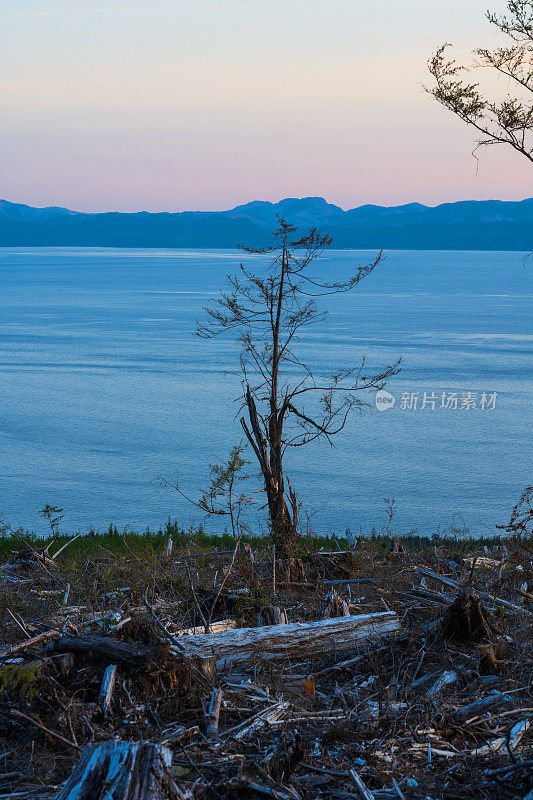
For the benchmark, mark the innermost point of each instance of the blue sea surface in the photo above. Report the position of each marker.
(105, 389)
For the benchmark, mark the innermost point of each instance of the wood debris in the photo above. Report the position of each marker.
(335, 675)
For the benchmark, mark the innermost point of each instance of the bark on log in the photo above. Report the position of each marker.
(123, 771)
(110, 650)
(297, 640)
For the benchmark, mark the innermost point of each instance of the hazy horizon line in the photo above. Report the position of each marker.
(267, 202)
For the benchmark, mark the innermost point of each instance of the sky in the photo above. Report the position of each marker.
(205, 104)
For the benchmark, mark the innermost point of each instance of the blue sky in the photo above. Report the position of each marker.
(204, 104)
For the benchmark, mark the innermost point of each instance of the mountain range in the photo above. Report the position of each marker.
(465, 225)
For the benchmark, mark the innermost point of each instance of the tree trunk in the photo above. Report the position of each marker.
(284, 524)
(123, 771)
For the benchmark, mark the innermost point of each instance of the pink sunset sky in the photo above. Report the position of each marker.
(205, 104)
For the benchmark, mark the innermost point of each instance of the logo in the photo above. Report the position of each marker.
(384, 400)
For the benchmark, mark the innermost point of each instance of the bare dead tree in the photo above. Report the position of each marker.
(508, 120)
(268, 312)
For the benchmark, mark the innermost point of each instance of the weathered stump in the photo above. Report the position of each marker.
(272, 615)
(466, 619)
(335, 606)
(123, 771)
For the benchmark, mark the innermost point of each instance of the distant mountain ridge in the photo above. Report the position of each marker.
(464, 225)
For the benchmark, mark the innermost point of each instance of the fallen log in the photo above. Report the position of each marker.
(123, 771)
(104, 647)
(477, 706)
(498, 601)
(297, 639)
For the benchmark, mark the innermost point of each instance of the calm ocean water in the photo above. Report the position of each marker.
(104, 388)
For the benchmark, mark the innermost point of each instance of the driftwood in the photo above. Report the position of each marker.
(110, 650)
(297, 640)
(123, 771)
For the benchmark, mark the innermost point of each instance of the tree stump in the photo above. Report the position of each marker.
(466, 619)
(272, 615)
(335, 606)
(123, 771)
